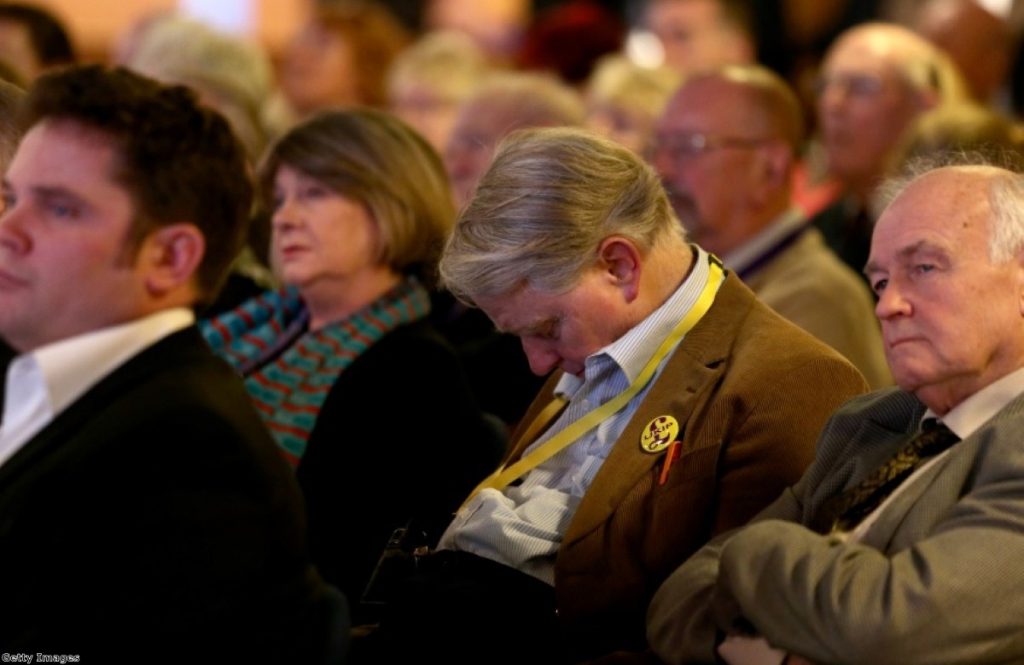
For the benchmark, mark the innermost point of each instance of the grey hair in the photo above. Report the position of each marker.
(548, 200)
(1005, 192)
(233, 75)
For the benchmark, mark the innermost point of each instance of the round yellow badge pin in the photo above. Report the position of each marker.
(659, 434)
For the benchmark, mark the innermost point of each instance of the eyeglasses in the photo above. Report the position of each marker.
(860, 86)
(687, 145)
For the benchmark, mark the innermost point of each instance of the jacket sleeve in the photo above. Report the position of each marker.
(680, 625)
(955, 595)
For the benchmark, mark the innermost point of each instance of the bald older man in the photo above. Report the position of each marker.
(903, 542)
(505, 103)
(875, 80)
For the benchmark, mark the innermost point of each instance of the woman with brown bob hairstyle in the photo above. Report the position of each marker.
(364, 399)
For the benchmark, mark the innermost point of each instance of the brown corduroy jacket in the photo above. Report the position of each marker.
(751, 393)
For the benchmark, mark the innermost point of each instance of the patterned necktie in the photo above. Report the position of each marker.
(844, 511)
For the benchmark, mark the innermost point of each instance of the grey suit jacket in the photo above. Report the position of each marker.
(936, 579)
(808, 284)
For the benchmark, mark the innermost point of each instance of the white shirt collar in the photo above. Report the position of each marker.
(41, 384)
(71, 366)
(747, 253)
(966, 417)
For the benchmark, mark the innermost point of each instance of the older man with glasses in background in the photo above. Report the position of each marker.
(876, 79)
(726, 147)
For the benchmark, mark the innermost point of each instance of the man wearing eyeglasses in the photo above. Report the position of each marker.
(876, 79)
(725, 149)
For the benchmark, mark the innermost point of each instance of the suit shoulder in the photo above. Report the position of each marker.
(891, 408)
(780, 344)
(174, 387)
(810, 274)
(418, 340)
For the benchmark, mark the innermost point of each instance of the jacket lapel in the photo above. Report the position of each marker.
(910, 511)
(690, 372)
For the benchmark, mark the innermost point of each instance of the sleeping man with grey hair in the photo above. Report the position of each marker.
(679, 406)
(903, 542)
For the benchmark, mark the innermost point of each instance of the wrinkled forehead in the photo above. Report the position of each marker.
(878, 49)
(862, 57)
(949, 204)
(715, 101)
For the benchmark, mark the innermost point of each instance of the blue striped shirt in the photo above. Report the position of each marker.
(522, 526)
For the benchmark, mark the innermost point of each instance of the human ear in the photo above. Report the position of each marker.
(620, 261)
(172, 255)
(774, 161)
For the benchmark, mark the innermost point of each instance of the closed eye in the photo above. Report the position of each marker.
(545, 330)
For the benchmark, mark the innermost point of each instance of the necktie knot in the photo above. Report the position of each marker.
(934, 438)
(848, 508)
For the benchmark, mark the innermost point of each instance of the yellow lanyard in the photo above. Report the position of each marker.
(505, 475)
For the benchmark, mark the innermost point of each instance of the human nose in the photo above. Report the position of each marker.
(285, 214)
(14, 237)
(892, 301)
(540, 355)
(832, 95)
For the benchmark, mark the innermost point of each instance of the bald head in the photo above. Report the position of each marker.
(876, 78)
(762, 100)
(950, 307)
